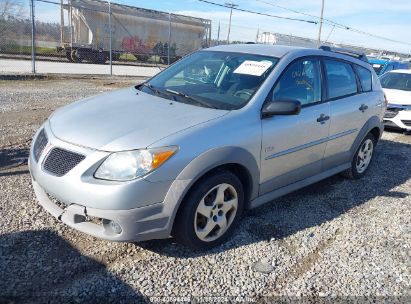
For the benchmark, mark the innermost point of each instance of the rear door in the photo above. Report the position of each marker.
(349, 110)
(293, 145)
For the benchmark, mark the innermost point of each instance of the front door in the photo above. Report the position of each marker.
(293, 146)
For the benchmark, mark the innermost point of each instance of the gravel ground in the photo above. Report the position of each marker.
(335, 240)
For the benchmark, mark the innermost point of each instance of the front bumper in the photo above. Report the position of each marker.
(143, 209)
(139, 224)
(398, 119)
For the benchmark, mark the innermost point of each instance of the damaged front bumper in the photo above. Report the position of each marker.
(139, 224)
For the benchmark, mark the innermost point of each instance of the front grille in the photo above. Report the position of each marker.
(391, 112)
(406, 122)
(39, 145)
(59, 161)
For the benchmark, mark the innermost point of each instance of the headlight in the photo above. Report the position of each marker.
(128, 165)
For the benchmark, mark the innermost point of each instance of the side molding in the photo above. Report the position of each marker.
(297, 185)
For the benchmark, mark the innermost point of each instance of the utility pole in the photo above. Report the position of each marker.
(218, 33)
(230, 5)
(321, 23)
(70, 13)
(169, 38)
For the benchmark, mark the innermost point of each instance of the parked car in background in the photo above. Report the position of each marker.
(397, 87)
(382, 66)
(224, 129)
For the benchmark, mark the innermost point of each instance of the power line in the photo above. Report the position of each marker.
(336, 24)
(259, 13)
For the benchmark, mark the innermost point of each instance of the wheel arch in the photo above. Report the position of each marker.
(374, 126)
(236, 160)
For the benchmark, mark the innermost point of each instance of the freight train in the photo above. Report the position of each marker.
(137, 31)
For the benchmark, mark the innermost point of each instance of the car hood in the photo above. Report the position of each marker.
(398, 97)
(126, 119)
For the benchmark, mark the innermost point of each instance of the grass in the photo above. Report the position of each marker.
(26, 50)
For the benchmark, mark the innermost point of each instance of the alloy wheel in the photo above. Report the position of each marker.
(364, 155)
(216, 212)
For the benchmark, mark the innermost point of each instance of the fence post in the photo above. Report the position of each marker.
(169, 38)
(33, 38)
(111, 38)
(71, 23)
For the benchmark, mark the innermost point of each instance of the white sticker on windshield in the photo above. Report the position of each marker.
(255, 68)
(376, 65)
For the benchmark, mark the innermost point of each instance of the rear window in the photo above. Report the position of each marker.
(340, 78)
(365, 78)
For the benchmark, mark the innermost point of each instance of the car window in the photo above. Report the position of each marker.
(340, 78)
(301, 81)
(222, 80)
(199, 72)
(365, 78)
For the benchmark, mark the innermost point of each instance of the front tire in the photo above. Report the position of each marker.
(362, 159)
(210, 211)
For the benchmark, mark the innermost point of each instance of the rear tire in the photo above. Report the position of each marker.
(75, 56)
(362, 159)
(210, 211)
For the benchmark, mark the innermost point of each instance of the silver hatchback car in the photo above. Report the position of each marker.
(222, 130)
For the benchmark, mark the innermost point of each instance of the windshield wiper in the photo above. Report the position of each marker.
(196, 100)
(152, 88)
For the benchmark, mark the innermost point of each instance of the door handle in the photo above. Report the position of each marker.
(363, 108)
(323, 118)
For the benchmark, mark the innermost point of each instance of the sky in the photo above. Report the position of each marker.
(387, 18)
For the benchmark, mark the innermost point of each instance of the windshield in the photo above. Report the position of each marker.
(396, 81)
(218, 80)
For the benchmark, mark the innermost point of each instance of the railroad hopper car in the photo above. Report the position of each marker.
(134, 30)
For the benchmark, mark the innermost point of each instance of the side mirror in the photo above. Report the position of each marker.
(281, 107)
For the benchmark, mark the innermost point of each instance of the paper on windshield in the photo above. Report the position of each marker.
(255, 68)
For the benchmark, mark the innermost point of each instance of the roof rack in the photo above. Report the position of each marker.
(349, 52)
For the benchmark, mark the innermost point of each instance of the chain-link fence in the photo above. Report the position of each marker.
(102, 37)
(93, 37)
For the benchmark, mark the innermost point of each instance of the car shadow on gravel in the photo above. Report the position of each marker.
(312, 205)
(13, 158)
(41, 267)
